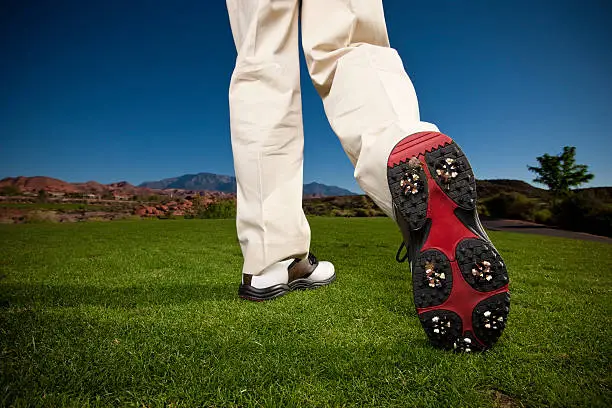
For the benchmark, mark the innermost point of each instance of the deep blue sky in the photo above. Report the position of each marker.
(137, 89)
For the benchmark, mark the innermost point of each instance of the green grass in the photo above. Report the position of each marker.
(146, 313)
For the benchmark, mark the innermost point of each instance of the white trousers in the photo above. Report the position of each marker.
(369, 101)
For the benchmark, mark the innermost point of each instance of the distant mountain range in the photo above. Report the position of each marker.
(227, 184)
(321, 190)
(218, 185)
(185, 183)
(200, 181)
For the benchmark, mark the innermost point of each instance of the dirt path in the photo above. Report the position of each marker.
(533, 228)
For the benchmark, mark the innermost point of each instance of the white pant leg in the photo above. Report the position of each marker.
(369, 99)
(267, 132)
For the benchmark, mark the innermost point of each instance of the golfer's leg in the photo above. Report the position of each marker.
(460, 282)
(267, 134)
(369, 99)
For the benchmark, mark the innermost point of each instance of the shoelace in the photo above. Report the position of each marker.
(397, 255)
(311, 258)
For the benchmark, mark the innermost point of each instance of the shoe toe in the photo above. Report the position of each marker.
(324, 271)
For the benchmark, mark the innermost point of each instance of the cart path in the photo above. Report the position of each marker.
(533, 228)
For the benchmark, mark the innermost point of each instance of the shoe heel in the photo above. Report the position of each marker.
(489, 318)
(445, 331)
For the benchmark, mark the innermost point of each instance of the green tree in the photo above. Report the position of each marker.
(560, 172)
(42, 196)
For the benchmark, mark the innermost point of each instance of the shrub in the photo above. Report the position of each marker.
(344, 206)
(169, 215)
(543, 216)
(511, 205)
(580, 212)
(336, 212)
(219, 209)
(98, 219)
(10, 191)
(482, 209)
(39, 216)
(362, 212)
(317, 209)
(126, 217)
(42, 196)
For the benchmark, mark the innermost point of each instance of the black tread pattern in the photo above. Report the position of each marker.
(443, 327)
(424, 294)
(462, 188)
(251, 293)
(489, 318)
(413, 207)
(467, 343)
(475, 254)
(305, 283)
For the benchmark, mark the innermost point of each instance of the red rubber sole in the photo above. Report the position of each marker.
(460, 282)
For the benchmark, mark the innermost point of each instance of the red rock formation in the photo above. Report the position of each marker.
(49, 184)
(35, 184)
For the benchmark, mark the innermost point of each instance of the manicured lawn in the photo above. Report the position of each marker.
(146, 313)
